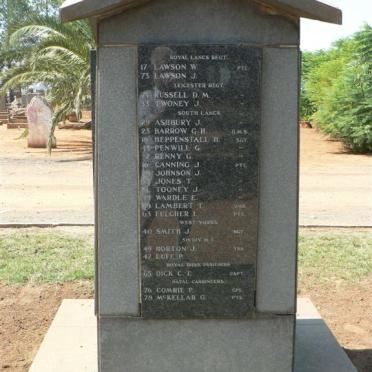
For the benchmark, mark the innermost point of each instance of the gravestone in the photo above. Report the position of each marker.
(196, 179)
(2, 103)
(39, 119)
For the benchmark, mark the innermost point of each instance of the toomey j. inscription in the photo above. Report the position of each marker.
(199, 121)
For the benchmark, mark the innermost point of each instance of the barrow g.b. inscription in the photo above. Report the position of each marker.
(198, 122)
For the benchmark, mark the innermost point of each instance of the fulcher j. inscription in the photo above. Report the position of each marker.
(199, 124)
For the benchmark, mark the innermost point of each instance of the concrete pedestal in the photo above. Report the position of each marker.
(214, 345)
(70, 344)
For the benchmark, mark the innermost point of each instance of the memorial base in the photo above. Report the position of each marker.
(262, 345)
(71, 344)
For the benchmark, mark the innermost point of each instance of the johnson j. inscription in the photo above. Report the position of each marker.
(198, 122)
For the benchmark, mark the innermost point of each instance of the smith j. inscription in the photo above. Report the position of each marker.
(198, 122)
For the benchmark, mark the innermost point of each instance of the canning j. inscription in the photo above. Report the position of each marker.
(199, 122)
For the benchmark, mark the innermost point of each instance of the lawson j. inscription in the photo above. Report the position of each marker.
(198, 123)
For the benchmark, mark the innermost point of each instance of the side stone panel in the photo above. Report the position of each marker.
(277, 245)
(117, 185)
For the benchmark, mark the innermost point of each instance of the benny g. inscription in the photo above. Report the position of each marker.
(198, 122)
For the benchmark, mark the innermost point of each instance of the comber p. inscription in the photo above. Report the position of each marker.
(198, 122)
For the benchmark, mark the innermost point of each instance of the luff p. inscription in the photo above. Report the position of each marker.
(199, 123)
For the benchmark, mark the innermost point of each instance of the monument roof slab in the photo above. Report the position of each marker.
(78, 9)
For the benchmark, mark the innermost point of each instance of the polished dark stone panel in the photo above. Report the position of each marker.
(199, 124)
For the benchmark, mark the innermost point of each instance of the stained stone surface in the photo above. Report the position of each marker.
(195, 21)
(199, 124)
(39, 118)
(197, 345)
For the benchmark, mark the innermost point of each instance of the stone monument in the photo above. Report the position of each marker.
(196, 178)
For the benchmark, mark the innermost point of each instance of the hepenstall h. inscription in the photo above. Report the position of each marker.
(199, 124)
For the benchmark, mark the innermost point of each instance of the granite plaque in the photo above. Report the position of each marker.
(199, 124)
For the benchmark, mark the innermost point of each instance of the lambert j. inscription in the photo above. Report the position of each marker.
(199, 121)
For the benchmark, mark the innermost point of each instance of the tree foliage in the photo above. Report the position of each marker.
(337, 90)
(13, 11)
(57, 55)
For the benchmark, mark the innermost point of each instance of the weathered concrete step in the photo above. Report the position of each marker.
(18, 119)
(16, 125)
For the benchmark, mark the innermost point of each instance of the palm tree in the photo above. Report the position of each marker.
(56, 55)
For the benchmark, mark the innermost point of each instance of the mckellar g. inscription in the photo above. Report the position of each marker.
(199, 124)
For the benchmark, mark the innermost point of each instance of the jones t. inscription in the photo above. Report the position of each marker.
(198, 123)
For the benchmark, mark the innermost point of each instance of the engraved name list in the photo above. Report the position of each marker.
(198, 125)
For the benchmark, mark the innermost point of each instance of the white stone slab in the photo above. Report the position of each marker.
(70, 344)
(71, 341)
(306, 310)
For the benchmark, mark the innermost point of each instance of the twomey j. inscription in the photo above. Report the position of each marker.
(199, 121)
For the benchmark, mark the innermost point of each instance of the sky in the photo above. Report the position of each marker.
(319, 35)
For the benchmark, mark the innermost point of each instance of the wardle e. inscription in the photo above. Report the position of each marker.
(199, 124)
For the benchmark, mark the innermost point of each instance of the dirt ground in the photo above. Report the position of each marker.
(25, 316)
(347, 312)
(335, 186)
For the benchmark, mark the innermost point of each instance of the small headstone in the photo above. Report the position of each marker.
(24, 101)
(2, 103)
(39, 118)
(16, 106)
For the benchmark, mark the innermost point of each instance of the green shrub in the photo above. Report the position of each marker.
(338, 87)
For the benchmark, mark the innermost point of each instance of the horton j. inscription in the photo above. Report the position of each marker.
(198, 122)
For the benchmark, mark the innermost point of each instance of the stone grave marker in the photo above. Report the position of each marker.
(2, 103)
(39, 118)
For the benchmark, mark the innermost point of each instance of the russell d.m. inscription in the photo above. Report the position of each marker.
(198, 122)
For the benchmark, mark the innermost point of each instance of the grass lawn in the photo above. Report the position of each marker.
(45, 256)
(340, 256)
(55, 256)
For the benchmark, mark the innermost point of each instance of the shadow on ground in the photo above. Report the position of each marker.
(362, 359)
(78, 146)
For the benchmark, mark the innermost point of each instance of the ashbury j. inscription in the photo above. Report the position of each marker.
(199, 123)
